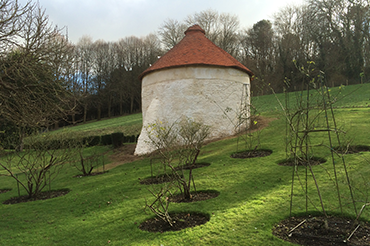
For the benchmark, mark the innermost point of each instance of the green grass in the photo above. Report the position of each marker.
(347, 97)
(254, 194)
(129, 125)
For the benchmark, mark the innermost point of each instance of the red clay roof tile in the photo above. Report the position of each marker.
(195, 49)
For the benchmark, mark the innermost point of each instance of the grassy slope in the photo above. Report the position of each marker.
(254, 195)
(129, 125)
(347, 97)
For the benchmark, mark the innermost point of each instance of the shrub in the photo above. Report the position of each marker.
(117, 139)
(38, 163)
(91, 140)
(180, 141)
(106, 139)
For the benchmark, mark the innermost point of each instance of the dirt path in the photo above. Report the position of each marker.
(122, 155)
(125, 154)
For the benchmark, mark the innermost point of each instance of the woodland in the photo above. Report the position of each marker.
(44, 74)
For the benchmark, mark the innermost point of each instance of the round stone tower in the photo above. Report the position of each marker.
(198, 80)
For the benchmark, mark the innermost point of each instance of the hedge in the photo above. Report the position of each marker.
(116, 139)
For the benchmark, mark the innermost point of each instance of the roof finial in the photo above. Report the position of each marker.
(195, 28)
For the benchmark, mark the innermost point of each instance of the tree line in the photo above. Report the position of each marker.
(332, 34)
(47, 80)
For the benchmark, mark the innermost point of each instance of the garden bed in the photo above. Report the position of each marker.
(195, 166)
(4, 190)
(89, 175)
(180, 221)
(42, 196)
(352, 149)
(195, 196)
(160, 179)
(251, 153)
(302, 162)
(311, 231)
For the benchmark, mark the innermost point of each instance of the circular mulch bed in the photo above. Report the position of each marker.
(89, 175)
(180, 221)
(42, 196)
(195, 196)
(196, 165)
(251, 153)
(312, 231)
(160, 179)
(4, 190)
(352, 149)
(313, 161)
(163, 178)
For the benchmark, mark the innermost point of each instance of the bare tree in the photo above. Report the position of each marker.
(221, 29)
(85, 61)
(86, 161)
(171, 32)
(229, 30)
(131, 60)
(32, 91)
(102, 68)
(11, 23)
(178, 145)
(338, 28)
(258, 52)
(209, 20)
(39, 164)
(293, 44)
(134, 55)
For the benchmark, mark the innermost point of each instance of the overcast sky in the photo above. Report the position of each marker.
(111, 20)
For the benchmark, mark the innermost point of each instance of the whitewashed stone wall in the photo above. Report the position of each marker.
(212, 95)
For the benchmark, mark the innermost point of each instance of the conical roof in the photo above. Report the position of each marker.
(195, 49)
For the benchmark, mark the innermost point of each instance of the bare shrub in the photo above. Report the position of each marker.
(178, 145)
(87, 160)
(38, 164)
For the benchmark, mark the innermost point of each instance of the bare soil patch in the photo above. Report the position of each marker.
(160, 179)
(4, 190)
(180, 221)
(42, 196)
(195, 196)
(262, 122)
(353, 149)
(313, 232)
(89, 175)
(313, 161)
(122, 155)
(195, 166)
(251, 153)
(163, 178)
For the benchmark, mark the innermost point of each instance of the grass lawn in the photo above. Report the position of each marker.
(129, 125)
(254, 193)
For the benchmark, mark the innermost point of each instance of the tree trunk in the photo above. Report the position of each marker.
(109, 107)
(132, 104)
(85, 112)
(20, 146)
(120, 104)
(99, 112)
(74, 119)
